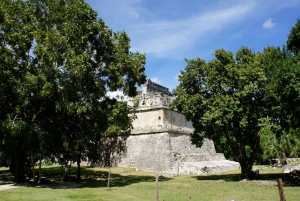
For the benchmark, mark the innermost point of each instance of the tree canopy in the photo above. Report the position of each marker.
(293, 42)
(224, 97)
(58, 61)
(247, 102)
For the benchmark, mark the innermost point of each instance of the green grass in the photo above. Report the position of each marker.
(127, 184)
(294, 163)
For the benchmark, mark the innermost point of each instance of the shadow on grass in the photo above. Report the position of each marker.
(228, 177)
(6, 177)
(236, 177)
(96, 179)
(90, 178)
(287, 179)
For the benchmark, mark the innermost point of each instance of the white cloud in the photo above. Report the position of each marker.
(117, 94)
(269, 24)
(164, 38)
(118, 10)
(177, 76)
(156, 80)
(166, 34)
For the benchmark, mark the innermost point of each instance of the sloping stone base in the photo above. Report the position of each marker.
(173, 153)
(207, 167)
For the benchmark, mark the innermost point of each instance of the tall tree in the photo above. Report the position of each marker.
(283, 95)
(293, 42)
(224, 98)
(58, 61)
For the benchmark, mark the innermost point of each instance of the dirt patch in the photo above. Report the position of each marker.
(62, 185)
(8, 186)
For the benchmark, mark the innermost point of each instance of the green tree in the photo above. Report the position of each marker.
(276, 147)
(296, 137)
(225, 98)
(282, 91)
(58, 61)
(282, 94)
(293, 42)
(16, 40)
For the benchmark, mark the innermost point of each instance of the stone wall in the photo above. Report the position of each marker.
(148, 152)
(162, 152)
(151, 87)
(160, 117)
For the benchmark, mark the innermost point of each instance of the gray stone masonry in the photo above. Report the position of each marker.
(160, 139)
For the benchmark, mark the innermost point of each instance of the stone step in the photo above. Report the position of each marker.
(207, 167)
(193, 157)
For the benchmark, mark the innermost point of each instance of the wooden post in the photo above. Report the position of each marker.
(280, 189)
(156, 187)
(108, 180)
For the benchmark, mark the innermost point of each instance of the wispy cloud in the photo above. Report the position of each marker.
(168, 35)
(156, 80)
(163, 38)
(269, 24)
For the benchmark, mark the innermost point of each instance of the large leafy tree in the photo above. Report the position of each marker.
(224, 98)
(58, 61)
(283, 94)
(293, 42)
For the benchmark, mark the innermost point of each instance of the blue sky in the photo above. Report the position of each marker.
(168, 31)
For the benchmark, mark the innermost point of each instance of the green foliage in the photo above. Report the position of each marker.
(293, 42)
(224, 98)
(246, 103)
(296, 137)
(58, 61)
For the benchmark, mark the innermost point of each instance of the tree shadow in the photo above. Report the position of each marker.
(6, 177)
(287, 179)
(116, 180)
(237, 177)
(91, 178)
(225, 177)
(96, 179)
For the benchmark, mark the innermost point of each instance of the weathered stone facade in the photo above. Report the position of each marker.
(160, 139)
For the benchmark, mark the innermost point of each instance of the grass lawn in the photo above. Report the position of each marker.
(127, 184)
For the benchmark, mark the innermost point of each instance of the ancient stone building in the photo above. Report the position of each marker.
(160, 139)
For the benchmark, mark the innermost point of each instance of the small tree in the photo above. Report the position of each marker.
(278, 147)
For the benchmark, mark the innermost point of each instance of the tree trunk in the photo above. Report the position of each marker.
(66, 169)
(69, 168)
(284, 159)
(33, 171)
(246, 169)
(32, 165)
(247, 162)
(40, 170)
(17, 165)
(78, 169)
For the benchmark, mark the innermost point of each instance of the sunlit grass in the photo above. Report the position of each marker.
(128, 184)
(3, 168)
(294, 163)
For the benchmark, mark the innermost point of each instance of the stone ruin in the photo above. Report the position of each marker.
(160, 139)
